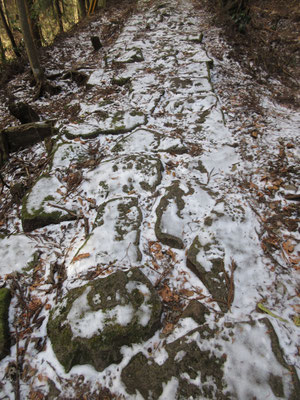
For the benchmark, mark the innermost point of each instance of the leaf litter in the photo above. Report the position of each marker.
(247, 168)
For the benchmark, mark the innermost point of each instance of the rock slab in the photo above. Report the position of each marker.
(94, 321)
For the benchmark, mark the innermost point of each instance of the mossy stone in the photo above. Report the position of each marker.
(215, 279)
(127, 173)
(185, 359)
(197, 311)
(38, 217)
(101, 347)
(133, 54)
(5, 298)
(175, 194)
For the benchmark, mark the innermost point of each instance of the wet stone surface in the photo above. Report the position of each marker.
(93, 322)
(116, 235)
(201, 364)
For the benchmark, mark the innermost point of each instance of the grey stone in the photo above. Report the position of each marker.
(94, 321)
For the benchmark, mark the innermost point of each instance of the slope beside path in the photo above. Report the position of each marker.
(139, 272)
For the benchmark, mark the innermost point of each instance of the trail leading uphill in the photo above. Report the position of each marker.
(138, 271)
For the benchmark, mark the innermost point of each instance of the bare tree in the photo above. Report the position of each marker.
(29, 43)
(33, 18)
(81, 7)
(2, 51)
(9, 33)
(59, 15)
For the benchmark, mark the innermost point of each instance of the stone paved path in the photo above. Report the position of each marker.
(145, 179)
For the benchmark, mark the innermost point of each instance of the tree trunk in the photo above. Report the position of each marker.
(82, 9)
(29, 43)
(9, 33)
(2, 51)
(59, 15)
(34, 25)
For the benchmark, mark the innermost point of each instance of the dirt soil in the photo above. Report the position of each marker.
(269, 46)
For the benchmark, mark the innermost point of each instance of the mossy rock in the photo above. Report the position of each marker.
(120, 80)
(113, 124)
(146, 140)
(3, 150)
(131, 55)
(36, 212)
(169, 223)
(127, 174)
(217, 362)
(197, 311)
(116, 234)
(67, 153)
(5, 298)
(94, 321)
(212, 274)
(186, 362)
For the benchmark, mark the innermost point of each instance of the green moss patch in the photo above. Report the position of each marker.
(106, 123)
(217, 362)
(131, 55)
(127, 174)
(5, 298)
(37, 211)
(94, 321)
(186, 362)
(169, 223)
(210, 270)
(116, 234)
(146, 140)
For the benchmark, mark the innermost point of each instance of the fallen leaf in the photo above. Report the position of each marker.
(168, 328)
(92, 201)
(294, 260)
(60, 192)
(172, 254)
(81, 256)
(186, 292)
(42, 378)
(167, 295)
(288, 246)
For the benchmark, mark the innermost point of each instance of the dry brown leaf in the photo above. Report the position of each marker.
(253, 186)
(34, 395)
(167, 295)
(288, 246)
(48, 306)
(186, 292)
(81, 256)
(296, 307)
(294, 260)
(172, 254)
(60, 192)
(34, 304)
(42, 378)
(92, 201)
(169, 327)
(155, 265)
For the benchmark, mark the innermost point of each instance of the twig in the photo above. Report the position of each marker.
(230, 284)
(17, 380)
(64, 209)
